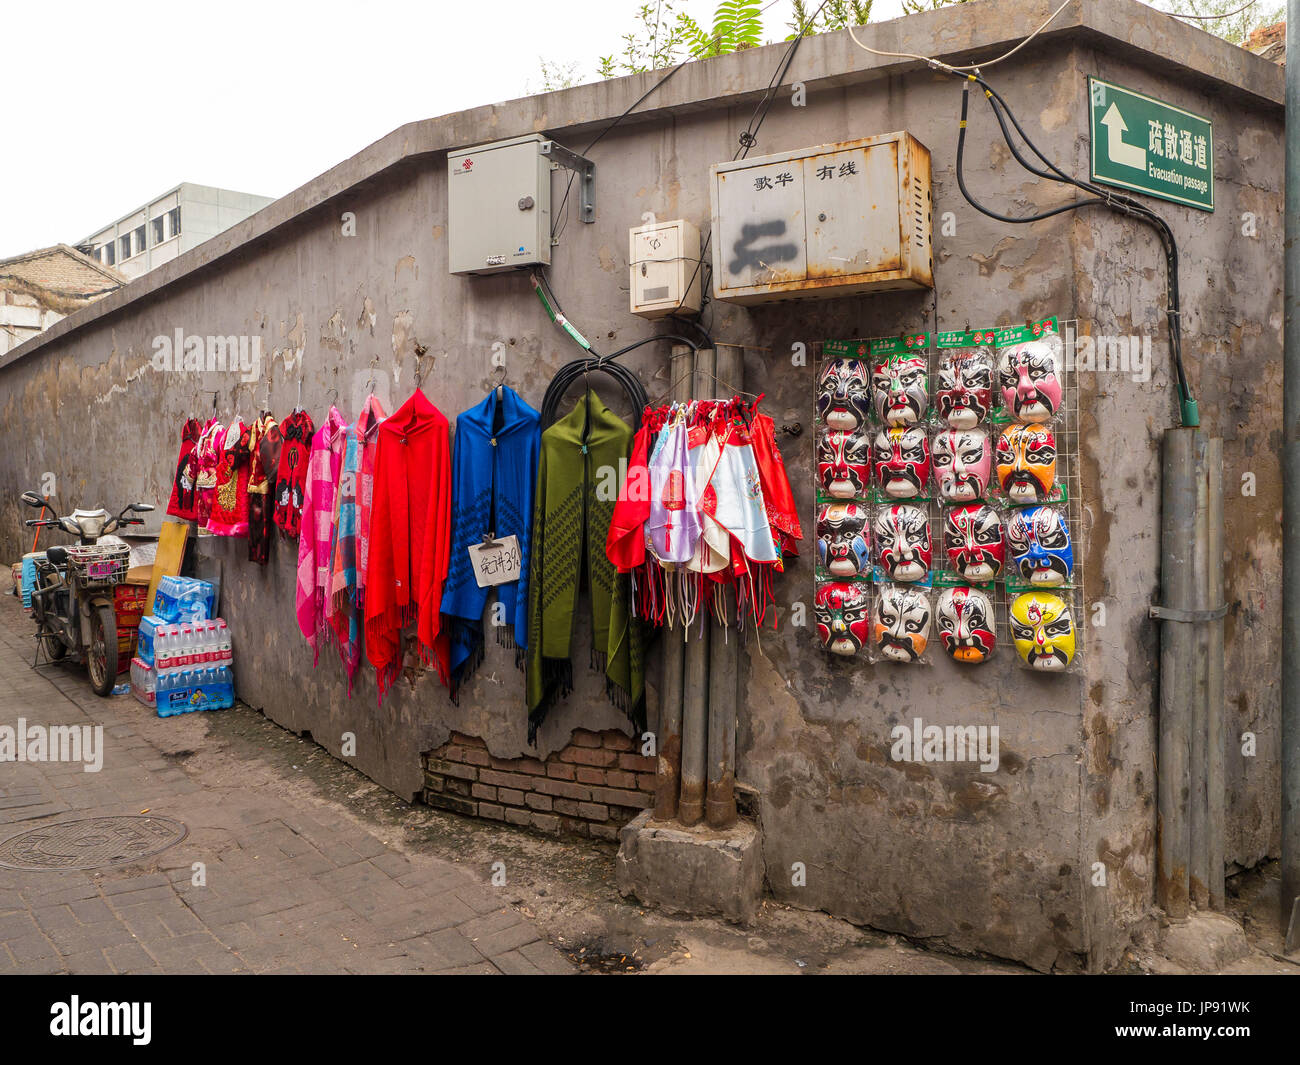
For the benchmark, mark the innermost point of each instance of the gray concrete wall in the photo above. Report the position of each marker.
(994, 862)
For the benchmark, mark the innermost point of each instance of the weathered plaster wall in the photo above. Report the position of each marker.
(997, 862)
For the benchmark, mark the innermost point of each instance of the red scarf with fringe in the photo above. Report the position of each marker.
(410, 540)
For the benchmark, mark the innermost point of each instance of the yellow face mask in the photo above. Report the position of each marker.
(1042, 629)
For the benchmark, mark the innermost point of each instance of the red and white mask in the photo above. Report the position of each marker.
(901, 535)
(843, 463)
(901, 390)
(963, 462)
(974, 542)
(1029, 375)
(900, 625)
(842, 609)
(842, 539)
(966, 625)
(902, 461)
(965, 393)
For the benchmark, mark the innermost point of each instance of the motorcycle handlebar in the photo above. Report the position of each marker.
(32, 522)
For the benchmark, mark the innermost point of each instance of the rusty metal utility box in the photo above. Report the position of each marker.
(833, 220)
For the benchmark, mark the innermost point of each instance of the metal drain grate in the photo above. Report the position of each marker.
(91, 843)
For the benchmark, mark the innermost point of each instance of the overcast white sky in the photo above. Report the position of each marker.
(109, 104)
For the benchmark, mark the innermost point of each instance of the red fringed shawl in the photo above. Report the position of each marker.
(410, 540)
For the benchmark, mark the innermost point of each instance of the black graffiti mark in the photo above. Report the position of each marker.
(746, 255)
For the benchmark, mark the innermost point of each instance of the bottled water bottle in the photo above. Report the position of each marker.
(162, 650)
(226, 655)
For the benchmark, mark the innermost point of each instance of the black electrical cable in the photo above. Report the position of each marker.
(1100, 197)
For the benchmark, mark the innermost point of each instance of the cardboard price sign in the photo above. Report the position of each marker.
(496, 561)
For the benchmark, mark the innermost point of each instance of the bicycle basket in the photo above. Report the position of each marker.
(98, 565)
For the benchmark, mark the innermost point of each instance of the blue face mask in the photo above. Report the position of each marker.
(1039, 541)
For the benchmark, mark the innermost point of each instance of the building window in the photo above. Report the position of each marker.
(159, 232)
(174, 221)
(139, 239)
(124, 247)
(107, 254)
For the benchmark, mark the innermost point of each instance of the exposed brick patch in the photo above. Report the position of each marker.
(592, 787)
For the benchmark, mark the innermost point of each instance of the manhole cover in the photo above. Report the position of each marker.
(92, 843)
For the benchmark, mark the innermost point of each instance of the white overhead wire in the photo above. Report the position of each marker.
(940, 65)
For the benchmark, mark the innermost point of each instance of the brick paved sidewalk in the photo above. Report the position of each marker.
(288, 889)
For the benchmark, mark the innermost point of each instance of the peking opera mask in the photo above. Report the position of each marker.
(900, 390)
(966, 626)
(1043, 630)
(972, 539)
(901, 535)
(1039, 542)
(965, 393)
(1029, 375)
(902, 461)
(900, 626)
(963, 462)
(1027, 463)
(842, 539)
(843, 463)
(843, 394)
(841, 609)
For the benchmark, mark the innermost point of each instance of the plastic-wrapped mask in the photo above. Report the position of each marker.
(843, 463)
(1030, 377)
(972, 538)
(966, 625)
(1039, 541)
(965, 393)
(901, 534)
(841, 609)
(1027, 463)
(902, 461)
(901, 390)
(1042, 627)
(844, 394)
(900, 626)
(842, 539)
(963, 463)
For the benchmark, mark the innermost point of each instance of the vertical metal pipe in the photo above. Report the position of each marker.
(1291, 500)
(1177, 592)
(1198, 865)
(668, 742)
(1214, 779)
(695, 696)
(724, 659)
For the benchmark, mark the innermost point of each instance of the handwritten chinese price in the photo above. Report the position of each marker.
(496, 563)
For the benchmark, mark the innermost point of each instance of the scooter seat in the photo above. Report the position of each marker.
(57, 556)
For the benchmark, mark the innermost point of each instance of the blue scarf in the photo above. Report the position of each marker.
(494, 462)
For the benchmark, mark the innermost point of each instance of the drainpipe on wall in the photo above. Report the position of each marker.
(1291, 499)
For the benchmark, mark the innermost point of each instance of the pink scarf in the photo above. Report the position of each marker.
(317, 518)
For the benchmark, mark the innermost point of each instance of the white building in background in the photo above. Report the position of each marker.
(168, 225)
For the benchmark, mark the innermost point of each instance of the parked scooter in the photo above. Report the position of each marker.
(72, 601)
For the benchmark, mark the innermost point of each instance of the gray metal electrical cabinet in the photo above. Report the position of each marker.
(499, 206)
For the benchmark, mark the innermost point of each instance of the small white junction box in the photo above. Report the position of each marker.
(665, 268)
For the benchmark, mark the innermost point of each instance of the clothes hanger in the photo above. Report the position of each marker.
(298, 409)
(420, 352)
(501, 383)
(690, 373)
(334, 401)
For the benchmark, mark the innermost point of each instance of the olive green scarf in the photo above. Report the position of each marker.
(577, 487)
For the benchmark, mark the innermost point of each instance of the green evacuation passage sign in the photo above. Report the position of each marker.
(1149, 146)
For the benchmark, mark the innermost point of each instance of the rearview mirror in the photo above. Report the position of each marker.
(32, 499)
(142, 508)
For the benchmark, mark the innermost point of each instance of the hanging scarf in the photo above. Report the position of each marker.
(570, 527)
(493, 476)
(625, 545)
(369, 444)
(410, 538)
(291, 474)
(322, 480)
(184, 499)
(341, 600)
(782, 514)
(264, 456)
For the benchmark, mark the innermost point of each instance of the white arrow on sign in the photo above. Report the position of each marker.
(1120, 152)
